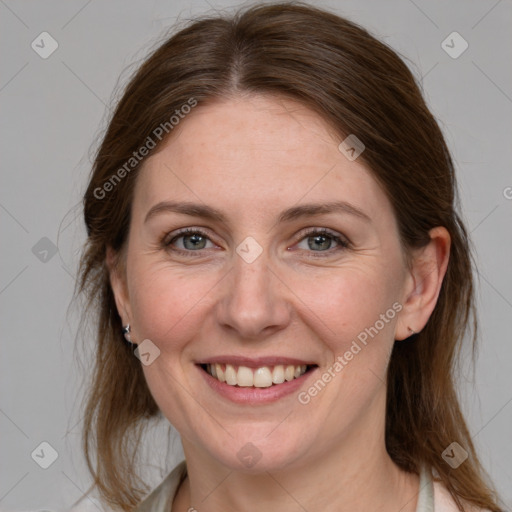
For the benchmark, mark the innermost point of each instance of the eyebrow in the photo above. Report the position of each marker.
(296, 212)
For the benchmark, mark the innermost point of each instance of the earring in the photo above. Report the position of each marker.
(126, 333)
(412, 332)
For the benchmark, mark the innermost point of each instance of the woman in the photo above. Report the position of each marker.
(272, 227)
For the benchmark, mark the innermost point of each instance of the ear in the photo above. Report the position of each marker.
(423, 283)
(117, 273)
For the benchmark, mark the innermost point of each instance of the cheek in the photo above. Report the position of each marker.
(169, 309)
(348, 302)
(166, 302)
(355, 310)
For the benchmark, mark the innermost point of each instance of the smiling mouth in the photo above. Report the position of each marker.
(261, 377)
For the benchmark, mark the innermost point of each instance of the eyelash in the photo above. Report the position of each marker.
(342, 243)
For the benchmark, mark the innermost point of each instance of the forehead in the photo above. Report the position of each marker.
(240, 151)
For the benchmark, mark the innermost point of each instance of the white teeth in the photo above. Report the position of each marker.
(244, 376)
(219, 372)
(289, 372)
(262, 377)
(230, 375)
(278, 374)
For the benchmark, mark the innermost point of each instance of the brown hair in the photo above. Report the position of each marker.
(359, 86)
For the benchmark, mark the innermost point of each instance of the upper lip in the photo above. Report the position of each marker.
(255, 362)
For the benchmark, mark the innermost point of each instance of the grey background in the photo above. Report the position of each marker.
(52, 110)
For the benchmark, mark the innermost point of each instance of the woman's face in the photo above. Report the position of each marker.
(259, 290)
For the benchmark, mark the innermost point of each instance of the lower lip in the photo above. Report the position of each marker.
(252, 395)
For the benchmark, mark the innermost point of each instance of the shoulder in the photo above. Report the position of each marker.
(158, 500)
(443, 501)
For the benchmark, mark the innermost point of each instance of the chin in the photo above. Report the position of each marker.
(260, 452)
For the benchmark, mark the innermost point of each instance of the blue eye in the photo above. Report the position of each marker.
(191, 240)
(322, 240)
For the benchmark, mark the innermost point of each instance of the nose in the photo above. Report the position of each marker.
(254, 301)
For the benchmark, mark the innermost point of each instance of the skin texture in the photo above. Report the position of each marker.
(251, 158)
